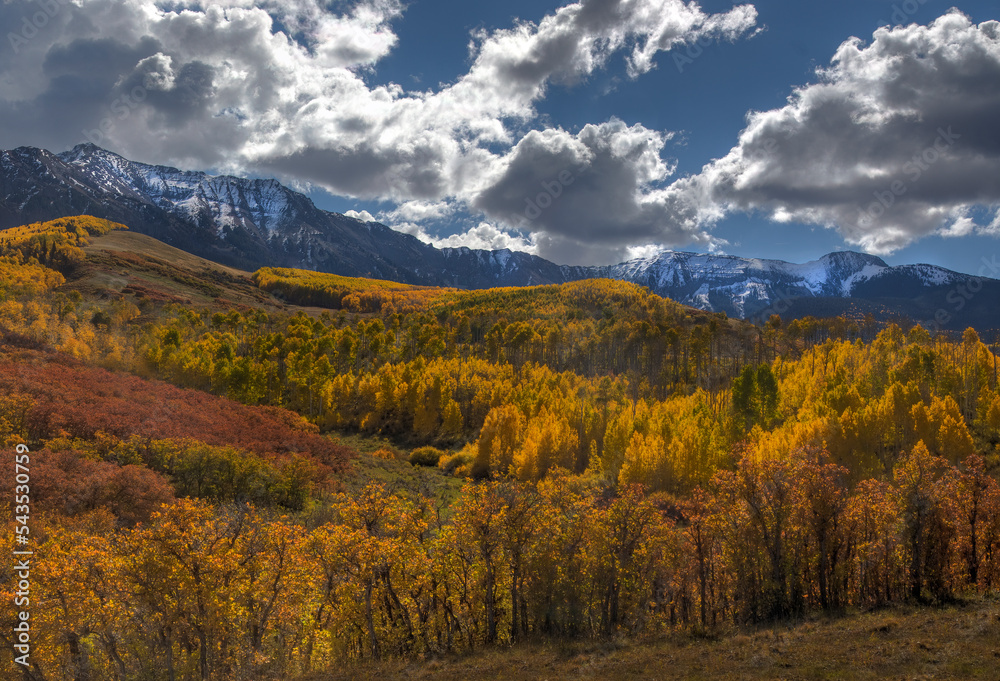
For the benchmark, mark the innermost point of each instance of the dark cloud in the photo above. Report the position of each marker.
(76, 87)
(176, 97)
(366, 170)
(100, 59)
(280, 87)
(587, 197)
(564, 249)
(897, 140)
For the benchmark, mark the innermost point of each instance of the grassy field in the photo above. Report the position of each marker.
(954, 642)
(141, 267)
(133, 242)
(395, 475)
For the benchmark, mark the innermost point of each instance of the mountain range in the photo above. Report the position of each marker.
(250, 223)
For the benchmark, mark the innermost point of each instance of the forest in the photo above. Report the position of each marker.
(623, 466)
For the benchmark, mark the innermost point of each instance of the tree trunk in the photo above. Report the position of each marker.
(491, 614)
(516, 577)
(370, 620)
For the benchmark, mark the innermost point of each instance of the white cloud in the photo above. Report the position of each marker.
(896, 140)
(488, 237)
(961, 226)
(994, 227)
(667, 24)
(283, 88)
(421, 211)
(513, 67)
(647, 251)
(364, 215)
(483, 236)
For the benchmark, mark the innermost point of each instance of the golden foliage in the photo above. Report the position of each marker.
(304, 287)
(58, 242)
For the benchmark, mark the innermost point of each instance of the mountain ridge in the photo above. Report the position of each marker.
(250, 223)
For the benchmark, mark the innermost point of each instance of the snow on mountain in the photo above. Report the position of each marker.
(743, 286)
(929, 275)
(250, 223)
(226, 202)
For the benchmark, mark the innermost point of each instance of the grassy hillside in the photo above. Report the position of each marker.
(604, 475)
(148, 271)
(954, 642)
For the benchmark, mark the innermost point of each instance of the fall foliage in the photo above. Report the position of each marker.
(56, 243)
(206, 591)
(303, 287)
(629, 467)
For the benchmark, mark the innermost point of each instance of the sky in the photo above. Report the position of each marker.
(587, 133)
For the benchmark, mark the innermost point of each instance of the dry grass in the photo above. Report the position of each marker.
(398, 475)
(140, 244)
(142, 268)
(955, 642)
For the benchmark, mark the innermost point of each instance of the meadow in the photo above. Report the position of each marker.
(291, 475)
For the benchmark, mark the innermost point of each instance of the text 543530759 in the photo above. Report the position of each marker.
(22, 554)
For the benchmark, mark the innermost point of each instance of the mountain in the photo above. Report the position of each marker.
(844, 282)
(249, 223)
(246, 223)
(744, 287)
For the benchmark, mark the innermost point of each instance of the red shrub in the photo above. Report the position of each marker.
(75, 400)
(65, 483)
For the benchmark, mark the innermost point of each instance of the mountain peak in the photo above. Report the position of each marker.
(250, 223)
(88, 147)
(85, 150)
(853, 259)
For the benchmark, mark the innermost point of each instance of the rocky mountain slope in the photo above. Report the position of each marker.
(249, 223)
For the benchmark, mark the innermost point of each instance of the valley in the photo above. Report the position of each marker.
(368, 473)
(253, 223)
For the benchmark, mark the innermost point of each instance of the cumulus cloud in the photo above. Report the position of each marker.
(284, 88)
(592, 193)
(488, 237)
(646, 251)
(421, 211)
(483, 236)
(514, 66)
(994, 227)
(364, 215)
(897, 140)
(180, 83)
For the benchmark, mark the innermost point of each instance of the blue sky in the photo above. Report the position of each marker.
(445, 119)
(707, 100)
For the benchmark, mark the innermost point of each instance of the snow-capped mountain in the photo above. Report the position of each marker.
(744, 287)
(226, 203)
(241, 222)
(843, 282)
(251, 223)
